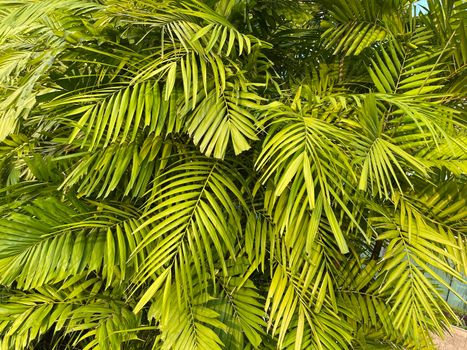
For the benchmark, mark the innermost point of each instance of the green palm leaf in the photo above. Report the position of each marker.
(220, 174)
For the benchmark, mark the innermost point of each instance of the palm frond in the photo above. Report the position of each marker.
(48, 240)
(185, 174)
(359, 24)
(193, 217)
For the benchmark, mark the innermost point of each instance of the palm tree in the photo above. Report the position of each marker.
(230, 174)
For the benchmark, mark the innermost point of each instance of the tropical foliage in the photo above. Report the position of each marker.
(231, 174)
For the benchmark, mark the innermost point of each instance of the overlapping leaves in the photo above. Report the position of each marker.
(166, 186)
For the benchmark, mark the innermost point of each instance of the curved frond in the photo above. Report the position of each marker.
(193, 217)
(49, 240)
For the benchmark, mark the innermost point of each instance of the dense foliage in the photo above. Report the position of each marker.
(230, 174)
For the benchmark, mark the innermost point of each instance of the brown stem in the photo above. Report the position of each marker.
(376, 250)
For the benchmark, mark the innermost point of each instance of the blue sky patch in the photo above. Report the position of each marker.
(419, 6)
